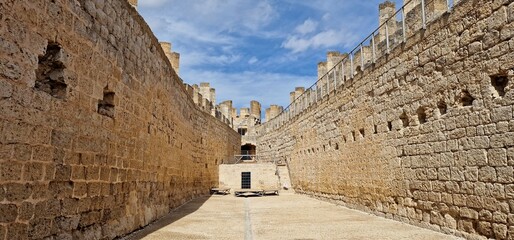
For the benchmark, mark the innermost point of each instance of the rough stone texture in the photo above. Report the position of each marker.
(423, 136)
(245, 123)
(98, 136)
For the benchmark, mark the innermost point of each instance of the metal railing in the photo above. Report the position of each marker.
(247, 158)
(394, 31)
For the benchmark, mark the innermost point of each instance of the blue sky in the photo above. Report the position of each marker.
(258, 49)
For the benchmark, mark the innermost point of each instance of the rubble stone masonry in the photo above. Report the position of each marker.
(425, 135)
(98, 136)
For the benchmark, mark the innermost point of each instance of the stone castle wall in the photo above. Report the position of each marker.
(425, 135)
(98, 136)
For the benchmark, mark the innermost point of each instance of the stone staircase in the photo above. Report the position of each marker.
(283, 177)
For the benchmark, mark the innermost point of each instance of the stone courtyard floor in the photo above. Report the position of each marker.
(288, 216)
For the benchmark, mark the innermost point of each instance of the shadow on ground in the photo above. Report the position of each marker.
(175, 215)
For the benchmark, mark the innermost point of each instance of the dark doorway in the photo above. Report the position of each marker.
(248, 149)
(246, 180)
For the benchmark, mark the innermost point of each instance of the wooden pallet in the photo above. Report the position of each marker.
(248, 192)
(255, 192)
(222, 191)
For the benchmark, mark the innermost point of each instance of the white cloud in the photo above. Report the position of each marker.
(192, 59)
(193, 32)
(278, 36)
(231, 16)
(307, 27)
(253, 60)
(326, 39)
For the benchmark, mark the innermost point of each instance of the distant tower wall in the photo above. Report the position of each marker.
(244, 112)
(255, 109)
(226, 109)
(208, 92)
(205, 90)
(386, 11)
(333, 58)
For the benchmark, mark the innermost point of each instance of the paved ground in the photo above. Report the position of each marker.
(287, 216)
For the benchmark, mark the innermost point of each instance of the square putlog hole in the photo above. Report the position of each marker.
(500, 82)
(50, 72)
(106, 105)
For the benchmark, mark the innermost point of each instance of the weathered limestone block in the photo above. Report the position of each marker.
(69, 171)
(441, 132)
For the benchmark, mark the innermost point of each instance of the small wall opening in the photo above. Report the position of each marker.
(336, 147)
(499, 82)
(466, 99)
(50, 72)
(242, 131)
(248, 149)
(361, 131)
(422, 115)
(353, 136)
(405, 119)
(443, 108)
(106, 105)
(389, 125)
(375, 129)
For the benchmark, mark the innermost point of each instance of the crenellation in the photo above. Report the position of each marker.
(226, 110)
(322, 69)
(273, 111)
(255, 109)
(173, 57)
(132, 2)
